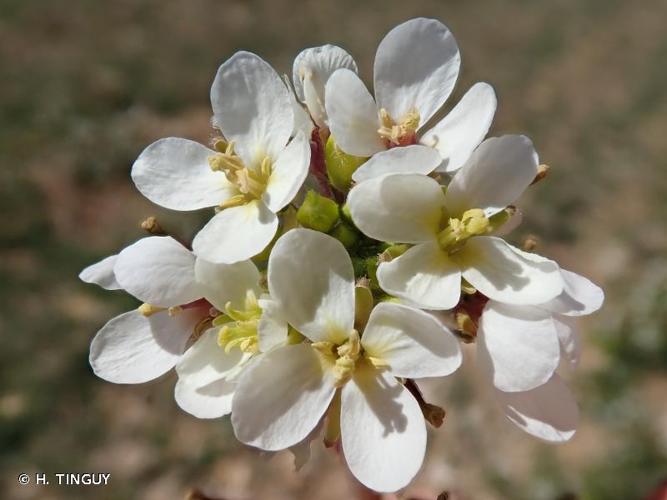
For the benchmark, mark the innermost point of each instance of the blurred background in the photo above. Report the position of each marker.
(86, 85)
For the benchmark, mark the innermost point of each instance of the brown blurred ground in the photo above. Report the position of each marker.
(86, 85)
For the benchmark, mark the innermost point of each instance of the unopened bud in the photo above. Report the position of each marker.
(340, 165)
(393, 251)
(346, 234)
(363, 305)
(318, 212)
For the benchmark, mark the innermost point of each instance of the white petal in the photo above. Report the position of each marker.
(302, 121)
(424, 276)
(252, 107)
(580, 296)
(517, 345)
(416, 66)
(460, 132)
(288, 173)
(132, 349)
(206, 361)
(405, 208)
(382, 430)
(568, 337)
(494, 176)
(504, 273)
(158, 270)
(311, 276)
(412, 342)
(312, 68)
(548, 412)
(222, 283)
(353, 117)
(101, 273)
(210, 401)
(236, 233)
(414, 159)
(280, 397)
(175, 174)
(272, 328)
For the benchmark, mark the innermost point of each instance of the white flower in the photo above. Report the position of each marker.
(283, 395)
(448, 230)
(310, 73)
(182, 296)
(251, 178)
(416, 67)
(519, 349)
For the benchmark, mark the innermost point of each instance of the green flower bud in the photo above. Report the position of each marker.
(318, 212)
(340, 165)
(346, 234)
(346, 215)
(371, 271)
(363, 305)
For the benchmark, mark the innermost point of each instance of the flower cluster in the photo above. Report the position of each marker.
(355, 246)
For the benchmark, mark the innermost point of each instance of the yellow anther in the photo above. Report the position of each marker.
(473, 222)
(241, 332)
(401, 132)
(251, 182)
(220, 145)
(149, 309)
(542, 171)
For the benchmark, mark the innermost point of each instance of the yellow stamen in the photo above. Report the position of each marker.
(399, 133)
(251, 182)
(473, 222)
(241, 332)
(149, 309)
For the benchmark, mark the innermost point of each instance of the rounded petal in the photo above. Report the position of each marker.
(580, 296)
(158, 270)
(252, 107)
(272, 329)
(312, 68)
(570, 346)
(288, 173)
(236, 233)
(404, 208)
(382, 430)
(416, 66)
(280, 397)
(412, 342)
(424, 275)
(414, 159)
(101, 273)
(506, 274)
(494, 176)
(132, 349)
(222, 283)
(548, 412)
(210, 401)
(517, 345)
(311, 277)
(353, 117)
(174, 173)
(206, 361)
(458, 134)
